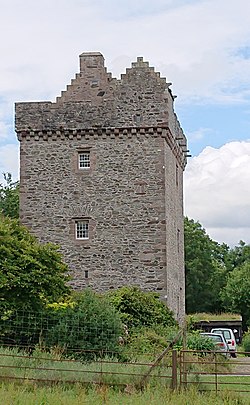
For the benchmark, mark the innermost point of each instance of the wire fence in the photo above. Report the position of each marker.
(48, 350)
(52, 349)
(72, 334)
(213, 371)
(44, 368)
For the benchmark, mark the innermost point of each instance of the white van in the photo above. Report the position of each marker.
(229, 338)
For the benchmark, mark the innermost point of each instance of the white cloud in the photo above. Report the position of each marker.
(200, 133)
(4, 130)
(9, 160)
(199, 45)
(217, 192)
(194, 43)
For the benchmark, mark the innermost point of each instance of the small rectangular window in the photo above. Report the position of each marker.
(82, 229)
(178, 240)
(177, 175)
(94, 83)
(84, 160)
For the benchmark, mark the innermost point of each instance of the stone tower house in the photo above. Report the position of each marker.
(102, 176)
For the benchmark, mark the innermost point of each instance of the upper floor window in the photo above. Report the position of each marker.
(177, 175)
(94, 82)
(82, 229)
(178, 240)
(84, 160)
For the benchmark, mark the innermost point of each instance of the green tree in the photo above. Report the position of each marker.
(138, 308)
(89, 328)
(236, 294)
(205, 269)
(9, 197)
(31, 274)
(237, 256)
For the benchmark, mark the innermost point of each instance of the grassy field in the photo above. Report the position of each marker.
(229, 383)
(44, 367)
(47, 378)
(28, 394)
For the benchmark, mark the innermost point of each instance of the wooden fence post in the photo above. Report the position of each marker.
(158, 360)
(174, 381)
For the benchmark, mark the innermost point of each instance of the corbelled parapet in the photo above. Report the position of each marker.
(141, 99)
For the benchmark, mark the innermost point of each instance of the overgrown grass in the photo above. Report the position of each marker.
(44, 366)
(46, 378)
(203, 316)
(209, 363)
(225, 383)
(27, 394)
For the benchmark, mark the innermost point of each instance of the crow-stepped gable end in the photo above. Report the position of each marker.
(102, 176)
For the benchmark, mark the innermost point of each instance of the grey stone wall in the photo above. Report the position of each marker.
(132, 193)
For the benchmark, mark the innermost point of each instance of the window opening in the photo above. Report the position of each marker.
(84, 160)
(94, 83)
(82, 229)
(178, 240)
(177, 175)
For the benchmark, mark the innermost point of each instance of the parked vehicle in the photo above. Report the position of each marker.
(219, 341)
(229, 337)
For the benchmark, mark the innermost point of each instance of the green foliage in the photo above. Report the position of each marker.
(246, 342)
(138, 308)
(197, 342)
(236, 293)
(217, 278)
(31, 274)
(237, 256)
(9, 197)
(150, 340)
(205, 316)
(22, 329)
(205, 269)
(92, 325)
(191, 321)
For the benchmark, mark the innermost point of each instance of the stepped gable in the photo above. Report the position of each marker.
(93, 84)
(95, 99)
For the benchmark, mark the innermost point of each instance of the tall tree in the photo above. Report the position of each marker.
(237, 256)
(236, 293)
(9, 197)
(205, 269)
(31, 274)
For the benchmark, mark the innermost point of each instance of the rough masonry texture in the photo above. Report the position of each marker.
(132, 193)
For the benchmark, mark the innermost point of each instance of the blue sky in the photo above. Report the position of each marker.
(214, 125)
(201, 46)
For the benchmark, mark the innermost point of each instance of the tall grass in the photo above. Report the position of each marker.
(29, 395)
(44, 366)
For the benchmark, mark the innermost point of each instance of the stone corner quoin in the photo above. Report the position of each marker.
(101, 174)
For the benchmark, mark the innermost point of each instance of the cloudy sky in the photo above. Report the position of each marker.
(201, 46)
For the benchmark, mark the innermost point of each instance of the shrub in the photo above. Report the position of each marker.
(23, 328)
(90, 328)
(150, 339)
(138, 308)
(147, 340)
(197, 342)
(31, 274)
